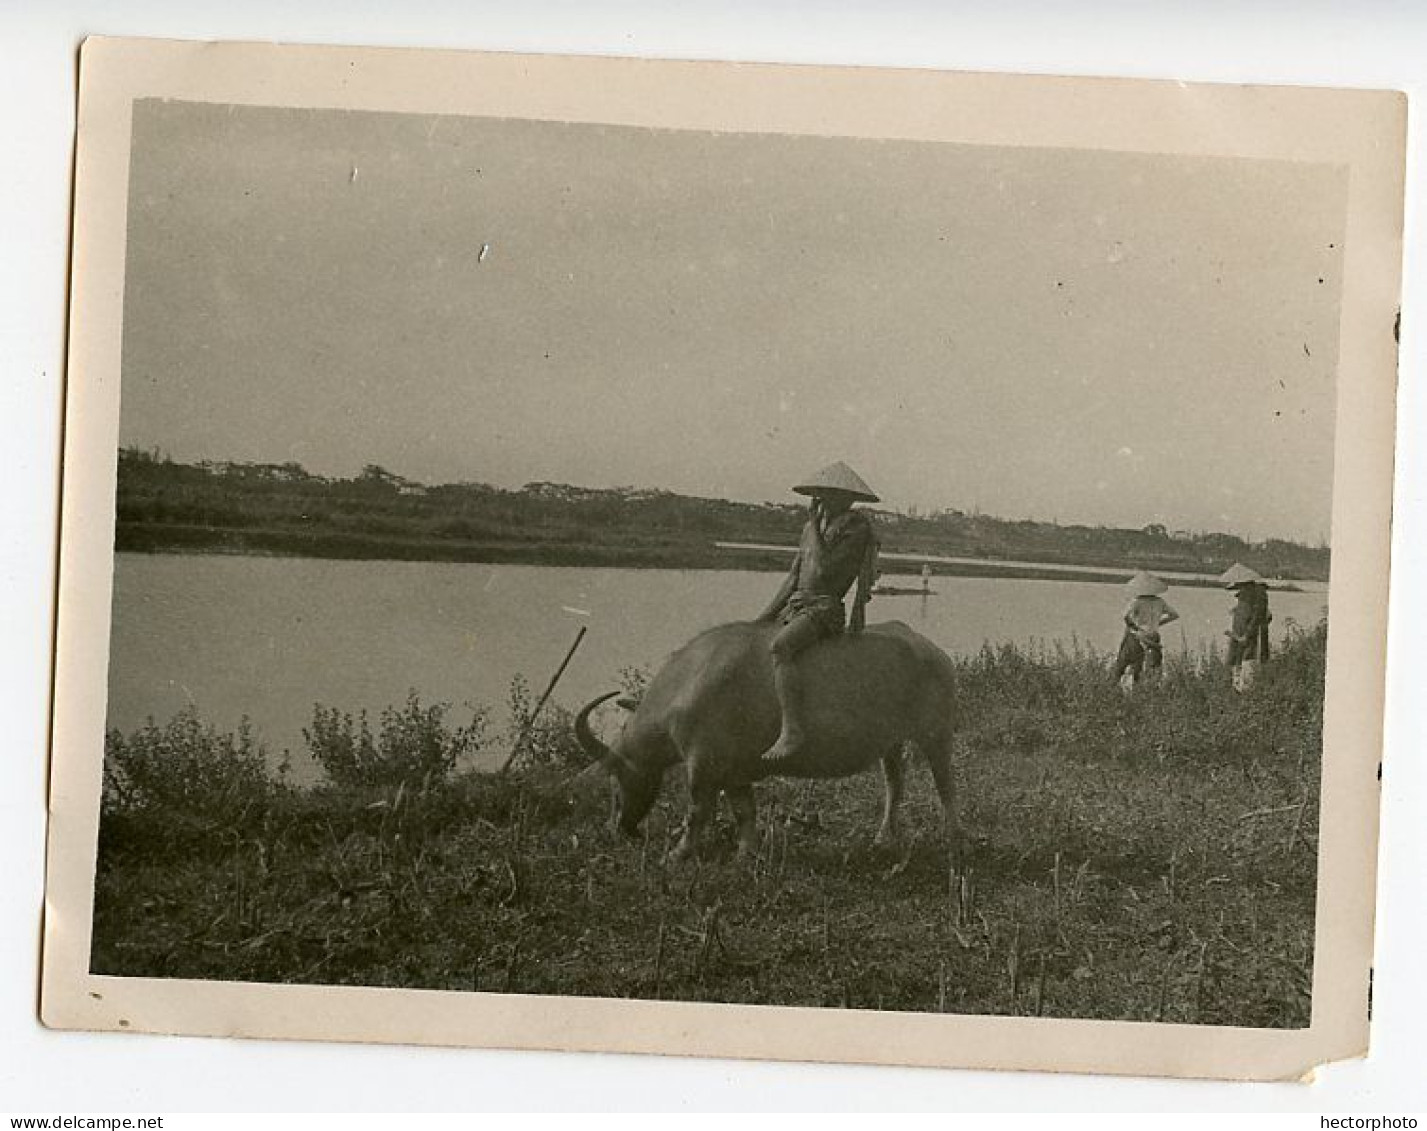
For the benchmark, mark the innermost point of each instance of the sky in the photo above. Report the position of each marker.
(1085, 337)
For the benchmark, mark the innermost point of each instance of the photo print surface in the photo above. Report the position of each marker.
(655, 564)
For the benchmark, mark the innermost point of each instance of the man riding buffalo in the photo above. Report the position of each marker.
(837, 550)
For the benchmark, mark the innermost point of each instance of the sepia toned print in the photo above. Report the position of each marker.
(494, 491)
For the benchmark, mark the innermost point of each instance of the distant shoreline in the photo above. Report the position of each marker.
(165, 538)
(282, 509)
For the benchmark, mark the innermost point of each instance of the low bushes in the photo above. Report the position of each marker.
(412, 744)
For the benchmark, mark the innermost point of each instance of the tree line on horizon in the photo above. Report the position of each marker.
(157, 493)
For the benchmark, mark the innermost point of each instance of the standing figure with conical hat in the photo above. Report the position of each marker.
(1146, 613)
(837, 552)
(1248, 624)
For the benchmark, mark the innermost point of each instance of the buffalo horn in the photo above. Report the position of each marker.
(604, 758)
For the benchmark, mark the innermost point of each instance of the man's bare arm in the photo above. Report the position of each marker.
(781, 598)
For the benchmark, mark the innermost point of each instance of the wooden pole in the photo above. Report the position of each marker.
(549, 687)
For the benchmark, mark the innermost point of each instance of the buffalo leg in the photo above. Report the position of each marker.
(939, 758)
(703, 806)
(894, 777)
(745, 813)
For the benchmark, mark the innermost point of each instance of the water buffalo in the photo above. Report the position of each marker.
(713, 708)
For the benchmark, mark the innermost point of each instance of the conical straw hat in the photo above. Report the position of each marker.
(1146, 585)
(1238, 574)
(837, 477)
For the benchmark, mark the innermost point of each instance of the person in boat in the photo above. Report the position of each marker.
(1141, 650)
(837, 552)
(1248, 624)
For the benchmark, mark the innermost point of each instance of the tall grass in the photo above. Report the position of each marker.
(1061, 699)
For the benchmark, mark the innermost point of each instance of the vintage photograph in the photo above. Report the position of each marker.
(695, 565)
(460, 455)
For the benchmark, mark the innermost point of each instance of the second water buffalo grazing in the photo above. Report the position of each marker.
(712, 708)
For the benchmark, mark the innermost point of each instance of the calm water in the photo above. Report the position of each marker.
(268, 637)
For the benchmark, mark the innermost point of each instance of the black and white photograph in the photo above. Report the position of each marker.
(686, 565)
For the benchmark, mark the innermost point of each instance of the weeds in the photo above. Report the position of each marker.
(633, 680)
(412, 745)
(547, 739)
(184, 780)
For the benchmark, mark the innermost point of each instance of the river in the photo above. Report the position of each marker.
(267, 637)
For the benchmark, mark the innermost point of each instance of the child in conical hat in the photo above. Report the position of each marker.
(837, 552)
(1145, 614)
(1248, 624)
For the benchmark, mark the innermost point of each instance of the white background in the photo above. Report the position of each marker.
(1369, 44)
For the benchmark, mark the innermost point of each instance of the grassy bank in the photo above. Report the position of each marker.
(1149, 856)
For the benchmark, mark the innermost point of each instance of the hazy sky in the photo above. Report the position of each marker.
(1090, 337)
